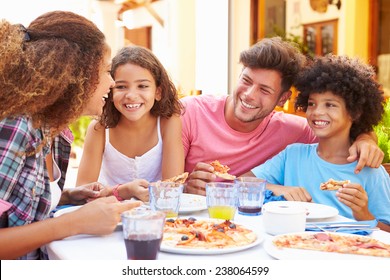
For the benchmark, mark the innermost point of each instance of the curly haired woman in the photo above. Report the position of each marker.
(51, 73)
(342, 100)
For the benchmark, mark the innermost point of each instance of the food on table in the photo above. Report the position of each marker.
(179, 179)
(206, 234)
(333, 185)
(336, 243)
(222, 170)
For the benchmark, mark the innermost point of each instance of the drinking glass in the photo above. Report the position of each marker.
(165, 197)
(251, 192)
(221, 200)
(142, 233)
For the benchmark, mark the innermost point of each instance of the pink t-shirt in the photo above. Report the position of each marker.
(207, 136)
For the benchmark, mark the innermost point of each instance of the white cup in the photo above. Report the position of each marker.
(280, 217)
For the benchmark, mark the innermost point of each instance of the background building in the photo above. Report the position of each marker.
(199, 41)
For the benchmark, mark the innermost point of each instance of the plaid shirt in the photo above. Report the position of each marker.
(24, 181)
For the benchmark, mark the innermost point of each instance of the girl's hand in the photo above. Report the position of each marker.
(140, 189)
(355, 197)
(137, 189)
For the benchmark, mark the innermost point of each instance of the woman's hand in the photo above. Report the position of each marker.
(100, 216)
(83, 194)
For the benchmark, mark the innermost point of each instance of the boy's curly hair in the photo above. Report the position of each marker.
(166, 107)
(348, 78)
(49, 70)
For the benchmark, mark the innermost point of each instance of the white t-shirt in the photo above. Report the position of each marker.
(55, 190)
(118, 168)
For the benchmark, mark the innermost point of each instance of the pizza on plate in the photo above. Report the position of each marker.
(222, 170)
(206, 234)
(333, 185)
(336, 243)
(179, 179)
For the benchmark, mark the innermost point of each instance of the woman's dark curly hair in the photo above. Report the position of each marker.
(49, 70)
(168, 105)
(348, 78)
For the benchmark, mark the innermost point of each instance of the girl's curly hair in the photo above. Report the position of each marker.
(49, 70)
(166, 107)
(348, 78)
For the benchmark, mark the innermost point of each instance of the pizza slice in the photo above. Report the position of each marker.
(333, 185)
(222, 170)
(179, 179)
(336, 243)
(206, 234)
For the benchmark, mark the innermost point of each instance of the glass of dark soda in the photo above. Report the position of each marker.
(251, 192)
(142, 232)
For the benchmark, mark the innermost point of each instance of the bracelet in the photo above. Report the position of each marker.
(116, 193)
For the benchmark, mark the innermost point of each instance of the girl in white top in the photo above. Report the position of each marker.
(117, 167)
(138, 137)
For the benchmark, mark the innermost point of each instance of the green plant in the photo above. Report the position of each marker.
(290, 37)
(79, 129)
(382, 131)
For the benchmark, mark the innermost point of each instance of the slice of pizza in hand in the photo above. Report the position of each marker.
(179, 179)
(222, 170)
(333, 185)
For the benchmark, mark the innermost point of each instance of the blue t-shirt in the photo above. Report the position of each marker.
(300, 166)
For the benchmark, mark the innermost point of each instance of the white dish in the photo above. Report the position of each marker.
(65, 210)
(315, 210)
(192, 203)
(205, 251)
(301, 254)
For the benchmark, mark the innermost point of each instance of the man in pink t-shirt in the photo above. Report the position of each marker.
(242, 130)
(208, 138)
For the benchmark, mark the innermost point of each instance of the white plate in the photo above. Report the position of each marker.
(65, 210)
(317, 211)
(192, 203)
(206, 251)
(301, 254)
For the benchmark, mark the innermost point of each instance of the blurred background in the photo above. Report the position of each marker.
(199, 41)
